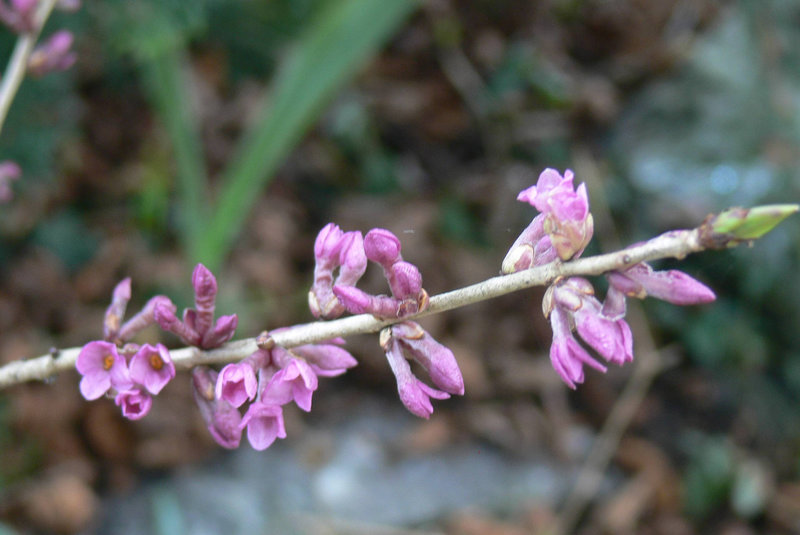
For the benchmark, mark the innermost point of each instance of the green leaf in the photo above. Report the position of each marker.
(340, 40)
(167, 88)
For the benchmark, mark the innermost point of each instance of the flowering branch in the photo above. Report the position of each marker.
(18, 64)
(675, 244)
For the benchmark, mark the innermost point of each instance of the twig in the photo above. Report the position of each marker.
(675, 244)
(18, 63)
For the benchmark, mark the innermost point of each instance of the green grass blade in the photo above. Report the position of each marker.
(346, 34)
(166, 87)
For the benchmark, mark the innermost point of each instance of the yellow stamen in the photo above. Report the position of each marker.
(108, 361)
(156, 362)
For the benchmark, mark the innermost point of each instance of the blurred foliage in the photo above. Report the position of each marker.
(718, 476)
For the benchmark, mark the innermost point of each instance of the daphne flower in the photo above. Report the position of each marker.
(221, 418)
(531, 248)
(237, 383)
(326, 360)
(198, 327)
(19, 16)
(54, 54)
(610, 338)
(414, 394)
(335, 249)
(102, 368)
(264, 423)
(152, 367)
(134, 403)
(673, 286)
(437, 359)
(295, 381)
(567, 220)
(9, 172)
(566, 354)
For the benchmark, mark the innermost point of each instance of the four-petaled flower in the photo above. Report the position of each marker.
(102, 368)
(264, 423)
(152, 367)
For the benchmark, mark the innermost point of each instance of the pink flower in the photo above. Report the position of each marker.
(237, 383)
(414, 394)
(567, 220)
(673, 286)
(19, 16)
(295, 381)
(102, 368)
(335, 249)
(152, 367)
(532, 248)
(198, 327)
(135, 404)
(326, 360)
(566, 354)
(264, 423)
(221, 418)
(9, 171)
(611, 338)
(382, 247)
(116, 310)
(53, 55)
(438, 360)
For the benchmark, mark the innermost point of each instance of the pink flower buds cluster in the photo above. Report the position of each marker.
(405, 281)
(572, 302)
(198, 327)
(18, 14)
(335, 249)
(402, 340)
(563, 229)
(136, 373)
(408, 339)
(9, 171)
(270, 378)
(54, 54)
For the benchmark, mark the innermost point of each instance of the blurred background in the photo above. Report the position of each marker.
(231, 131)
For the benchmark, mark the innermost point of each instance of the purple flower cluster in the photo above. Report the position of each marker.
(134, 373)
(402, 340)
(198, 327)
(269, 378)
(562, 231)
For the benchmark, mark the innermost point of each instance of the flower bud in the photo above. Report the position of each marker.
(383, 247)
(52, 55)
(414, 394)
(326, 246)
(116, 310)
(9, 171)
(438, 360)
(135, 403)
(222, 419)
